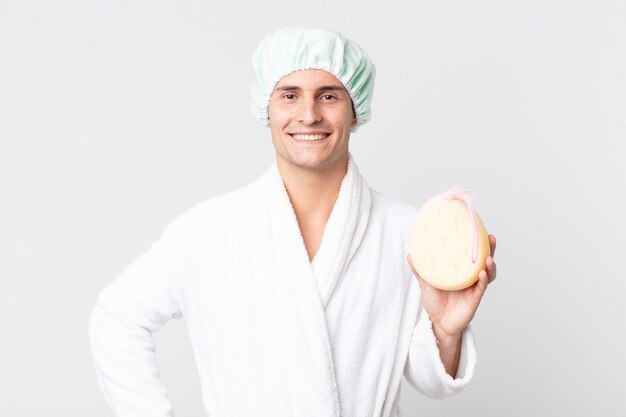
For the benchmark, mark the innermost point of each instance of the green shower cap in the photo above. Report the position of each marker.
(298, 48)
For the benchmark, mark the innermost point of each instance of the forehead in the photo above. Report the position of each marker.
(309, 79)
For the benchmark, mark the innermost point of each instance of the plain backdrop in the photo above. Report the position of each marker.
(115, 117)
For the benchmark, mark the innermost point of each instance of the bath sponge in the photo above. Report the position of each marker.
(449, 242)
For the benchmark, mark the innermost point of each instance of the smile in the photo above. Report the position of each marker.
(310, 137)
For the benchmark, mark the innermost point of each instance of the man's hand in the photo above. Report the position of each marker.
(451, 311)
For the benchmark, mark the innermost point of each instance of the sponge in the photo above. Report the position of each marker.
(449, 243)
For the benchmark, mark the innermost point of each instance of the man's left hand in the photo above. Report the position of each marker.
(452, 311)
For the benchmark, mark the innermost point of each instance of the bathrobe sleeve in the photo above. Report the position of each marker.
(140, 301)
(424, 369)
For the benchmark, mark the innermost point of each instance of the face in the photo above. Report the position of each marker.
(310, 115)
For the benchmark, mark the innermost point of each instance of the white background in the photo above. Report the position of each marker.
(117, 116)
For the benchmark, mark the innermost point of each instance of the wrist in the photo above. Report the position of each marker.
(449, 346)
(445, 338)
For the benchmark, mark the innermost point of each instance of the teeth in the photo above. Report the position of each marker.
(310, 137)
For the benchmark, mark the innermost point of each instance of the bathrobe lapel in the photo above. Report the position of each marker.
(343, 233)
(301, 290)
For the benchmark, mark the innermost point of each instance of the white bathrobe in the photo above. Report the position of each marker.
(274, 334)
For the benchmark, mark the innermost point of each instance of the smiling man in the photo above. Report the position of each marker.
(297, 290)
(311, 115)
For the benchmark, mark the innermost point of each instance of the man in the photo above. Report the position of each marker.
(296, 291)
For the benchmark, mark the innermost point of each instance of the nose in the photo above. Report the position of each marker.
(308, 112)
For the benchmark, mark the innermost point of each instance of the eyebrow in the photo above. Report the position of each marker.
(322, 88)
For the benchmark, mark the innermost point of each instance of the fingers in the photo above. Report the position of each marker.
(492, 244)
(481, 286)
(491, 269)
(490, 264)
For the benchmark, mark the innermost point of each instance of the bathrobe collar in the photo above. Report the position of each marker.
(343, 232)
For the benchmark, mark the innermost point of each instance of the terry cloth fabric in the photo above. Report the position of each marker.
(274, 334)
(298, 48)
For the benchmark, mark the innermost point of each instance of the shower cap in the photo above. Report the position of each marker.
(291, 49)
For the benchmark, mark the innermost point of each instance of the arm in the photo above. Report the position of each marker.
(449, 349)
(448, 314)
(425, 369)
(140, 301)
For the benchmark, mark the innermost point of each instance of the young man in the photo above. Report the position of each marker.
(297, 289)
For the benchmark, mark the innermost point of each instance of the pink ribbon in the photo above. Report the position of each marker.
(459, 193)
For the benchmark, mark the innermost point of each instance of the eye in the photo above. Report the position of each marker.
(328, 96)
(289, 96)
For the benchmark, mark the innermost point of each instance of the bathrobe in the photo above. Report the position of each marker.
(273, 333)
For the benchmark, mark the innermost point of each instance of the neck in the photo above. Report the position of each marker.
(313, 192)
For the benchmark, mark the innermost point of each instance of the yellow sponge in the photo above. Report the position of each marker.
(449, 243)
